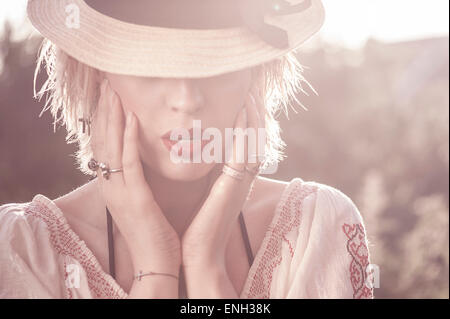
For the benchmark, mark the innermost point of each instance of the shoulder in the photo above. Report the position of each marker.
(293, 195)
(268, 196)
(266, 191)
(26, 225)
(322, 200)
(333, 203)
(35, 226)
(17, 218)
(30, 265)
(298, 207)
(331, 214)
(316, 230)
(337, 234)
(262, 201)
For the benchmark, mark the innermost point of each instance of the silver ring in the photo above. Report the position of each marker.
(106, 171)
(115, 170)
(227, 170)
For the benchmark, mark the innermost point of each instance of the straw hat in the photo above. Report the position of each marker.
(176, 38)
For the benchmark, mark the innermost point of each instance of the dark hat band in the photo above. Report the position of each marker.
(204, 14)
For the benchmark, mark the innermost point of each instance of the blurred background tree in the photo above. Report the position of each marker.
(378, 131)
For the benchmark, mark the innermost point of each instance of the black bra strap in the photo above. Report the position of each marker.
(248, 248)
(112, 268)
(109, 225)
(109, 222)
(112, 265)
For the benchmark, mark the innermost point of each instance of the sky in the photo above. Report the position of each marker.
(348, 22)
(352, 22)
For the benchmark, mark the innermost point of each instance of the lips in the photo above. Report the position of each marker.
(190, 131)
(185, 143)
(189, 145)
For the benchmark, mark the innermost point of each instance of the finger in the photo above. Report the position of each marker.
(227, 186)
(99, 120)
(257, 122)
(254, 123)
(132, 167)
(105, 111)
(262, 112)
(259, 100)
(114, 136)
(99, 128)
(238, 160)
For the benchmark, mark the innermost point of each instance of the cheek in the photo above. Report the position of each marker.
(135, 97)
(228, 109)
(229, 93)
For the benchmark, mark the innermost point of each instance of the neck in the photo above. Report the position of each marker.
(179, 200)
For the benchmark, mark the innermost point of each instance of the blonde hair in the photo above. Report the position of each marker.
(72, 91)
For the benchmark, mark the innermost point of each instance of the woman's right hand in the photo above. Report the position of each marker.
(151, 239)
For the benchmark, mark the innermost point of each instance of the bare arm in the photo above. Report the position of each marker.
(163, 259)
(153, 244)
(154, 286)
(210, 282)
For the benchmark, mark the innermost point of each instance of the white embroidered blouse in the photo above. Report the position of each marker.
(315, 247)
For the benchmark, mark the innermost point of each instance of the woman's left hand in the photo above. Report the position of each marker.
(204, 242)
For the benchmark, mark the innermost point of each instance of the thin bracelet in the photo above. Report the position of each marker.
(140, 274)
(232, 172)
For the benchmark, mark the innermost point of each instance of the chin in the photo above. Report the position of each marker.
(180, 172)
(159, 162)
(186, 172)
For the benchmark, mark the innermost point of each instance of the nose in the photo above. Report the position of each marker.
(185, 97)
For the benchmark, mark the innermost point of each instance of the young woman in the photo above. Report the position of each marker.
(123, 78)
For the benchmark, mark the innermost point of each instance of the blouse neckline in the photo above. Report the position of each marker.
(92, 262)
(269, 235)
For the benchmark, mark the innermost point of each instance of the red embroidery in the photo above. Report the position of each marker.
(65, 243)
(357, 248)
(288, 220)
